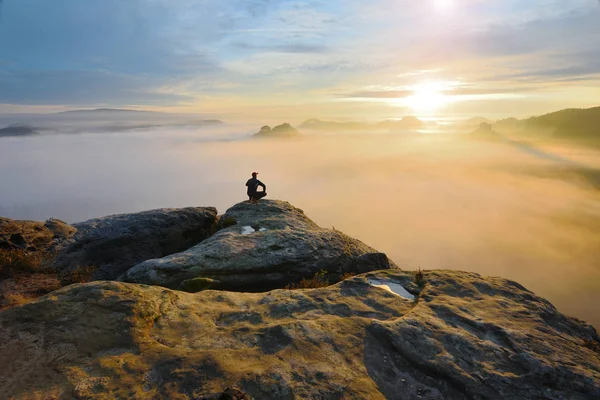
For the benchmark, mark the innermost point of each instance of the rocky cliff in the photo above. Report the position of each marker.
(383, 333)
(259, 247)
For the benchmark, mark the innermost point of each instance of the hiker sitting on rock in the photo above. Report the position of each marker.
(253, 184)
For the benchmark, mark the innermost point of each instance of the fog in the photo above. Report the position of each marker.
(430, 201)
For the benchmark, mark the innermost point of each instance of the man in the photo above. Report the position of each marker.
(253, 184)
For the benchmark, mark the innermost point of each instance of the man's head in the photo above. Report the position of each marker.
(254, 174)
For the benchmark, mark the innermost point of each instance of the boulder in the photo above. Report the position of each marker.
(463, 336)
(271, 245)
(115, 243)
(33, 235)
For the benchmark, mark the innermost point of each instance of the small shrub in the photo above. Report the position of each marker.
(196, 285)
(317, 281)
(14, 262)
(29, 275)
(419, 277)
(15, 300)
(592, 345)
(347, 275)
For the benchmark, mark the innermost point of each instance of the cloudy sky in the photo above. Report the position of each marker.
(301, 58)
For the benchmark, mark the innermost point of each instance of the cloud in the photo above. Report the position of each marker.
(283, 48)
(82, 87)
(450, 90)
(196, 49)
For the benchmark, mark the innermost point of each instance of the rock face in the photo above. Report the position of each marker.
(33, 235)
(265, 246)
(283, 130)
(463, 337)
(115, 243)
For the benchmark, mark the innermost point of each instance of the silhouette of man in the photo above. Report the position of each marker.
(253, 183)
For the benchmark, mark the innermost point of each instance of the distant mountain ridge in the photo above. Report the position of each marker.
(107, 110)
(18, 130)
(574, 123)
(408, 122)
(581, 124)
(98, 120)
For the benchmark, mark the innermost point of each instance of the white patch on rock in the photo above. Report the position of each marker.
(262, 230)
(247, 230)
(391, 287)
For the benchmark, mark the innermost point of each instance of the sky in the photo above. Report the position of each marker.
(297, 59)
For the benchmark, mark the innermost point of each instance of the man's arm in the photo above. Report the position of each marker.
(259, 183)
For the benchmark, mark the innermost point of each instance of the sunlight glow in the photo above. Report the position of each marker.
(443, 4)
(428, 98)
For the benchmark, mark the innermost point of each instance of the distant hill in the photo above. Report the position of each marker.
(280, 131)
(476, 121)
(18, 130)
(406, 123)
(105, 110)
(486, 132)
(109, 113)
(578, 125)
(569, 124)
(509, 123)
(101, 120)
(317, 124)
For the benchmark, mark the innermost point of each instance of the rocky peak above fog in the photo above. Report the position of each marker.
(283, 130)
(262, 246)
(379, 333)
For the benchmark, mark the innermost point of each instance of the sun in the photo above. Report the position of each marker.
(427, 98)
(443, 4)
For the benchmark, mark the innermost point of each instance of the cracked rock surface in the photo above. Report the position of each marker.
(464, 337)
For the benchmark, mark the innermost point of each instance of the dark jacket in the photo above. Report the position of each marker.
(253, 185)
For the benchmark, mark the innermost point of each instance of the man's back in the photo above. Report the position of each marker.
(253, 184)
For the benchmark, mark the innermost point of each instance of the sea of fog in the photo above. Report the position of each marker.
(531, 214)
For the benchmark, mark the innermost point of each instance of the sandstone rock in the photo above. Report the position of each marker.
(283, 130)
(33, 235)
(273, 244)
(115, 243)
(464, 337)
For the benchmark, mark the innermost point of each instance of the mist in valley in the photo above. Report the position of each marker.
(430, 201)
